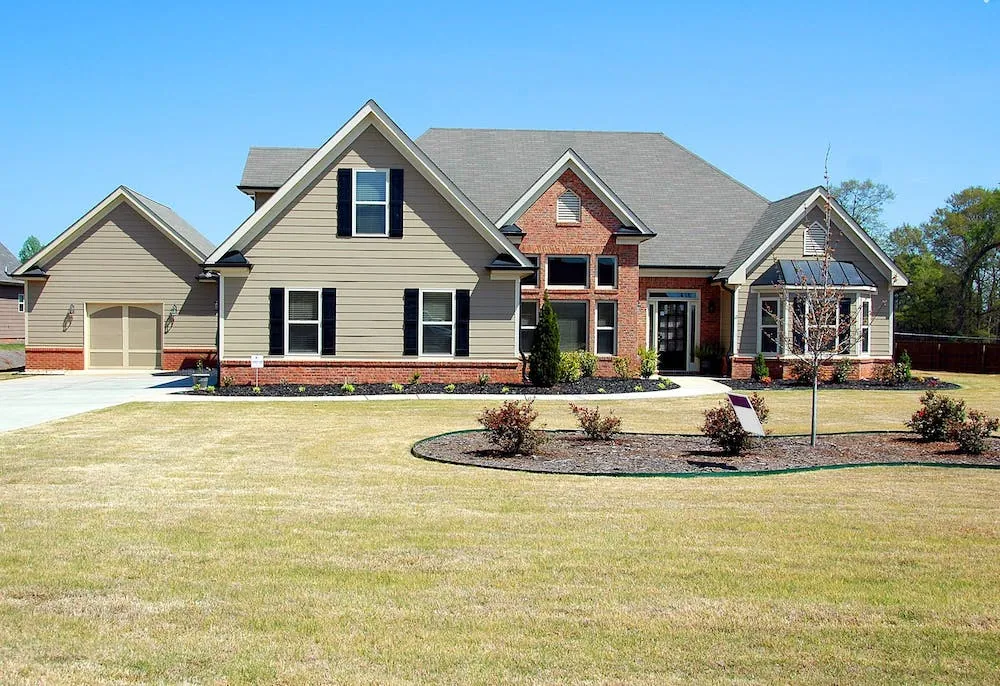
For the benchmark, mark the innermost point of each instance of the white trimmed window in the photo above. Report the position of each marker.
(437, 322)
(607, 271)
(529, 322)
(769, 320)
(371, 202)
(814, 239)
(568, 208)
(607, 328)
(569, 271)
(302, 322)
(865, 324)
(20, 302)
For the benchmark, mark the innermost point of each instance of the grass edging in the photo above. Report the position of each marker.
(691, 475)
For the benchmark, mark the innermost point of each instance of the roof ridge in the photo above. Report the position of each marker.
(281, 147)
(474, 128)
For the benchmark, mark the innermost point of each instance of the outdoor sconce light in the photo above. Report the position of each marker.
(173, 311)
(711, 307)
(71, 310)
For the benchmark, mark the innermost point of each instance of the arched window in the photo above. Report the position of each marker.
(568, 208)
(815, 239)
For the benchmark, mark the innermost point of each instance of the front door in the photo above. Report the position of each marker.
(672, 335)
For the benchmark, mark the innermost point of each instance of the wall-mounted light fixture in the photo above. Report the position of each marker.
(71, 310)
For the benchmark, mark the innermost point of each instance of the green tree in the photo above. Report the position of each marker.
(30, 248)
(543, 367)
(865, 200)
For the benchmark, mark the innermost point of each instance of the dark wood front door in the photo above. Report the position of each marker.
(672, 335)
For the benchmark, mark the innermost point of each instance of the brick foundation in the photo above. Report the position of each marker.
(187, 358)
(862, 368)
(362, 371)
(53, 358)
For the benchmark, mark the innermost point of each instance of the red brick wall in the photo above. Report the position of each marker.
(592, 237)
(187, 358)
(863, 368)
(337, 371)
(53, 358)
(710, 319)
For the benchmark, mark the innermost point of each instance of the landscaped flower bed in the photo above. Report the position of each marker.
(915, 384)
(583, 386)
(571, 452)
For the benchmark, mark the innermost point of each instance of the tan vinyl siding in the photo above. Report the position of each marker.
(791, 248)
(11, 321)
(438, 250)
(121, 259)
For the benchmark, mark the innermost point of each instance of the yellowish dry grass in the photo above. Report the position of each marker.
(300, 542)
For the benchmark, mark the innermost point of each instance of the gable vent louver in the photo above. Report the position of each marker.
(815, 239)
(568, 208)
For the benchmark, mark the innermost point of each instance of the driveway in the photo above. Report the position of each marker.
(36, 399)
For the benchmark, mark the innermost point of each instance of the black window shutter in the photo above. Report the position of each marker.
(462, 307)
(395, 203)
(276, 323)
(344, 203)
(411, 317)
(329, 325)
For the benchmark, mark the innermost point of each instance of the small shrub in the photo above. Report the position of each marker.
(638, 389)
(892, 374)
(662, 385)
(760, 369)
(972, 432)
(196, 386)
(938, 413)
(302, 389)
(228, 381)
(509, 426)
(484, 379)
(450, 388)
(623, 367)
(597, 426)
(256, 390)
(905, 365)
(803, 372)
(543, 366)
(766, 380)
(588, 363)
(569, 368)
(505, 390)
(648, 361)
(397, 387)
(414, 378)
(725, 430)
(210, 389)
(347, 388)
(842, 371)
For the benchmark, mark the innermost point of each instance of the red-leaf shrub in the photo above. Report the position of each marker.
(594, 424)
(938, 413)
(724, 428)
(972, 432)
(509, 426)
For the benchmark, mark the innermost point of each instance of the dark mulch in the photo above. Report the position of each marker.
(927, 384)
(589, 385)
(571, 452)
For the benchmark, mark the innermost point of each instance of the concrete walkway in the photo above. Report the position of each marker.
(33, 400)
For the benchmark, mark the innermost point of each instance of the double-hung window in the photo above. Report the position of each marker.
(302, 321)
(865, 325)
(607, 328)
(844, 326)
(20, 302)
(571, 271)
(529, 320)
(769, 325)
(371, 202)
(607, 271)
(437, 323)
(572, 318)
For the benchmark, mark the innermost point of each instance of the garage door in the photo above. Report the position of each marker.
(125, 336)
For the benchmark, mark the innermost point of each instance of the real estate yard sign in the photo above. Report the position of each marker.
(256, 362)
(746, 414)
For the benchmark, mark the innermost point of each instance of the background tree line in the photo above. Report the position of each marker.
(952, 259)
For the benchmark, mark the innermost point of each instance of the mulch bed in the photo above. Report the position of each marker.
(583, 386)
(862, 385)
(571, 452)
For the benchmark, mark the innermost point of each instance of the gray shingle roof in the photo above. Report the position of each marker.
(774, 216)
(8, 263)
(175, 222)
(700, 213)
(271, 167)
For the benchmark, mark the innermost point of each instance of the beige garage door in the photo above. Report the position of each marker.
(125, 336)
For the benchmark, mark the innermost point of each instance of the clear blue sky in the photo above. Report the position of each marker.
(167, 97)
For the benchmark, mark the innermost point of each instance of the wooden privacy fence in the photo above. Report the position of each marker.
(949, 355)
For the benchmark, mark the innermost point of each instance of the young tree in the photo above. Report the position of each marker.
(865, 200)
(30, 248)
(543, 367)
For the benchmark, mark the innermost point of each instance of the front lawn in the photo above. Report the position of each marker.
(249, 542)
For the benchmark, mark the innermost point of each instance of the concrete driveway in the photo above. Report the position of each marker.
(36, 399)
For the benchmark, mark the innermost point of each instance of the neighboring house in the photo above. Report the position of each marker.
(376, 256)
(11, 299)
(121, 288)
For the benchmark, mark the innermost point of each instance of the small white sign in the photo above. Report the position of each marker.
(746, 414)
(256, 362)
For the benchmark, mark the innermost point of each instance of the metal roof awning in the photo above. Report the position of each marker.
(810, 273)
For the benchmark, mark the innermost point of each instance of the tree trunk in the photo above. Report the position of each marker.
(812, 433)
